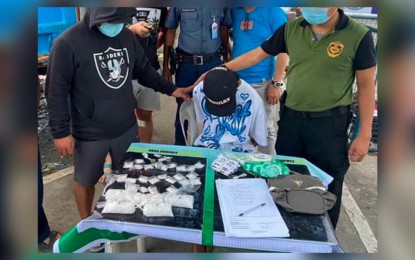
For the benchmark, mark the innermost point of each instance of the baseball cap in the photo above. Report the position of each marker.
(220, 86)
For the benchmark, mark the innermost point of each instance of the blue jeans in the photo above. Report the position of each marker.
(186, 75)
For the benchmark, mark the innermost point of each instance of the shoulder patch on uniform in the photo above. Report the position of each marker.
(335, 49)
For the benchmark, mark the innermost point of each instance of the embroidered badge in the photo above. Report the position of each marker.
(298, 183)
(335, 49)
(219, 103)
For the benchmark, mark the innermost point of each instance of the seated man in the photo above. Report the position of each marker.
(231, 111)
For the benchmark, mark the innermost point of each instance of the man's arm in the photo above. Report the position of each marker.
(141, 29)
(365, 80)
(171, 24)
(162, 29)
(147, 76)
(161, 38)
(224, 35)
(274, 94)
(364, 65)
(247, 60)
(58, 84)
(282, 62)
(273, 46)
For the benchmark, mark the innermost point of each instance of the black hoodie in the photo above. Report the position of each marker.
(94, 72)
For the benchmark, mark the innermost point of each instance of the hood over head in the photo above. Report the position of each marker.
(99, 15)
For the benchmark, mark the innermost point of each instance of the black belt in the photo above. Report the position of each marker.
(197, 59)
(327, 113)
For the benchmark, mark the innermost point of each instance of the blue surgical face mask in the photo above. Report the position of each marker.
(315, 15)
(111, 29)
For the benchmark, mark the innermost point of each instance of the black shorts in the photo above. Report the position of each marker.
(89, 156)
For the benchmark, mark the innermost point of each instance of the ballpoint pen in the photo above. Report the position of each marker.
(249, 210)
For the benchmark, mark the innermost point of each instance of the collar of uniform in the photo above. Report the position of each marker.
(344, 19)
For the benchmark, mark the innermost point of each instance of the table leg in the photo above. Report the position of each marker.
(111, 247)
(115, 247)
(141, 245)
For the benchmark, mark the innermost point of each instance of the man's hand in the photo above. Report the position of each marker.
(141, 29)
(167, 73)
(65, 145)
(183, 93)
(359, 148)
(273, 95)
(200, 79)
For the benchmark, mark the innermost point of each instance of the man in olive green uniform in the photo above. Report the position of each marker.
(327, 51)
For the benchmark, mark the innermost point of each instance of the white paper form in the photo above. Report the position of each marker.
(260, 217)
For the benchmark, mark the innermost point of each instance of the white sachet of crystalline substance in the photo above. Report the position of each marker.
(161, 209)
(180, 200)
(119, 207)
(138, 199)
(115, 195)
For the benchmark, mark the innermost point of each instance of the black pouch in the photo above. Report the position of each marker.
(312, 201)
(302, 194)
(173, 60)
(283, 98)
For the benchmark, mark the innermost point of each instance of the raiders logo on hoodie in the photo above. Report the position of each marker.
(112, 66)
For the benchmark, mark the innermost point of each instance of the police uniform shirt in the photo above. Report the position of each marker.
(196, 27)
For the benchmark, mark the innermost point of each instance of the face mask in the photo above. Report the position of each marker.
(111, 29)
(315, 15)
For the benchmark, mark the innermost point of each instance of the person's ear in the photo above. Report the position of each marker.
(331, 11)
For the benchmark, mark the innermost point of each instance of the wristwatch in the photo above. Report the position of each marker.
(277, 84)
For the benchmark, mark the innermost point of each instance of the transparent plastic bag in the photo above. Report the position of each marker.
(138, 199)
(157, 210)
(153, 190)
(131, 187)
(192, 175)
(119, 207)
(180, 200)
(115, 195)
(153, 180)
(128, 165)
(267, 169)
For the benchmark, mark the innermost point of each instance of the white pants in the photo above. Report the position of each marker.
(272, 112)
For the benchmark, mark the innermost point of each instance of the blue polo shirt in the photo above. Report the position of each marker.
(249, 32)
(196, 27)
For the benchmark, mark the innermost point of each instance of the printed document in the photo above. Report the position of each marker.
(248, 209)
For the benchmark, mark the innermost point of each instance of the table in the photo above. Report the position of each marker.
(309, 234)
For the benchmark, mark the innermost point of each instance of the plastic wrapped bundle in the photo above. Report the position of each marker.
(115, 195)
(139, 199)
(192, 175)
(119, 207)
(128, 165)
(157, 210)
(267, 169)
(180, 200)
